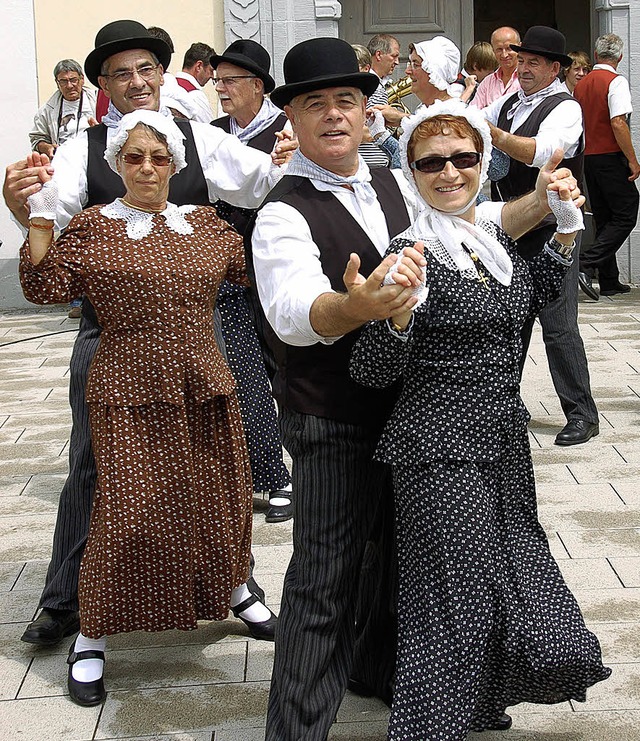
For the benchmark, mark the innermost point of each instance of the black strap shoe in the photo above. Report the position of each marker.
(577, 431)
(86, 694)
(279, 512)
(51, 626)
(261, 631)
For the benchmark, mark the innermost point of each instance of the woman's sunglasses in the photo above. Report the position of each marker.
(159, 160)
(460, 161)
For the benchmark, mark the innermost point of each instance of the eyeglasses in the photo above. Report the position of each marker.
(159, 160)
(71, 81)
(461, 161)
(146, 72)
(231, 80)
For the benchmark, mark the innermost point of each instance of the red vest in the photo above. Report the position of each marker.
(591, 92)
(186, 84)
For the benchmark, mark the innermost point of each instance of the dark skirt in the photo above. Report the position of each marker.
(485, 618)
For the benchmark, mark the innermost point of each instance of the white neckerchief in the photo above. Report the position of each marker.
(140, 223)
(532, 100)
(263, 119)
(113, 116)
(360, 182)
(447, 230)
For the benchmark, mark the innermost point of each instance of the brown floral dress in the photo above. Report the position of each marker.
(170, 530)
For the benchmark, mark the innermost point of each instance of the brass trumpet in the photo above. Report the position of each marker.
(398, 90)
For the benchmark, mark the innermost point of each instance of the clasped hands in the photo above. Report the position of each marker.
(368, 299)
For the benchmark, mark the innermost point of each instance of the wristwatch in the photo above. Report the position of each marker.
(564, 250)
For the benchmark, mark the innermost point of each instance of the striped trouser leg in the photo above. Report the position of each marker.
(338, 488)
(74, 508)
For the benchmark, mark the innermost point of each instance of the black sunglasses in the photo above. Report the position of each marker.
(460, 161)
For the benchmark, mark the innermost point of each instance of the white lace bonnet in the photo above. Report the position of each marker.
(441, 59)
(158, 121)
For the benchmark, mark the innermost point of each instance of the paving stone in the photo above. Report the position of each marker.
(47, 719)
(12, 673)
(140, 670)
(229, 706)
(628, 569)
(601, 543)
(620, 641)
(589, 573)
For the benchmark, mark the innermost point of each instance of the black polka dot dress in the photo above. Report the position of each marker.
(485, 620)
(253, 388)
(170, 531)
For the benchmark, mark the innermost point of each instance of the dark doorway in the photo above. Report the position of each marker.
(572, 17)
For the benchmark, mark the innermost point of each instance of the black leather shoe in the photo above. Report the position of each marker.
(577, 431)
(503, 723)
(280, 512)
(51, 626)
(86, 694)
(262, 631)
(614, 289)
(586, 284)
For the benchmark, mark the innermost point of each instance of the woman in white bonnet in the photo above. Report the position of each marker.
(485, 620)
(170, 533)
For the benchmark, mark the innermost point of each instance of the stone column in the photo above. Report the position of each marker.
(280, 24)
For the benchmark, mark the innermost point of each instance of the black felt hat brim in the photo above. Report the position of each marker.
(94, 61)
(564, 59)
(364, 81)
(240, 60)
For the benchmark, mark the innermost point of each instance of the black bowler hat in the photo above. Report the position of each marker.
(249, 55)
(319, 63)
(121, 36)
(545, 42)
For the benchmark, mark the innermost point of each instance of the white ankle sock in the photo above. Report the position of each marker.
(257, 613)
(280, 501)
(88, 670)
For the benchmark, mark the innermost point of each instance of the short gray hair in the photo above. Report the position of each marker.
(381, 42)
(609, 46)
(67, 65)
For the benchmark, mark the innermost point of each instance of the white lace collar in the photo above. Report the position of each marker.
(140, 223)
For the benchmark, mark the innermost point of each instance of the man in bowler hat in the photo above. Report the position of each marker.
(127, 63)
(329, 211)
(528, 126)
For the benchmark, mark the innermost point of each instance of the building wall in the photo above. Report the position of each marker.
(34, 36)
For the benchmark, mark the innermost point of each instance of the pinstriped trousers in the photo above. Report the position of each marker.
(76, 498)
(563, 343)
(338, 489)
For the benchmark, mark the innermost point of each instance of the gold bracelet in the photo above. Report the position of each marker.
(41, 227)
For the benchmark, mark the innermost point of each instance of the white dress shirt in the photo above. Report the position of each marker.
(203, 110)
(289, 275)
(619, 95)
(562, 128)
(234, 173)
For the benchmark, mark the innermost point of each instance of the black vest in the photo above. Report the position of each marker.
(239, 218)
(521, 179)
(315, 379)
(104, 185)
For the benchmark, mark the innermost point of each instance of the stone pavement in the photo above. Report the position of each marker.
(212, 684)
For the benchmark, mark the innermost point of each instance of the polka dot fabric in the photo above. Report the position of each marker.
(485, 618)
(257, 406)
(171, 524)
